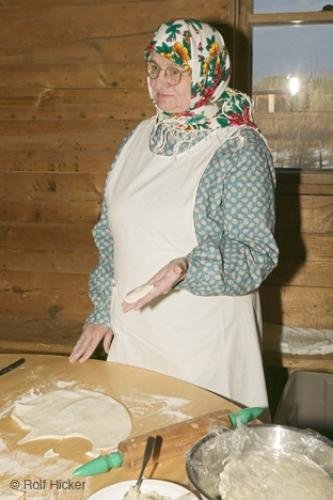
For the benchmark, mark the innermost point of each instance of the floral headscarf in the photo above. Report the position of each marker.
(199, 47)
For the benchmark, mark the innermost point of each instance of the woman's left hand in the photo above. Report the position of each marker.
(164, 280)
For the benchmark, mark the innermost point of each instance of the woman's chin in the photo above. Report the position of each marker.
(164, 107)
(169, 109)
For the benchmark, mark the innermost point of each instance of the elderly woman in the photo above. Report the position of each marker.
(188, 209)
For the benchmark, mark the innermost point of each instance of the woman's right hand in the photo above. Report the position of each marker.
(89, 340)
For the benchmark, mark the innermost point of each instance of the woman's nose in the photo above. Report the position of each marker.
(161, 80)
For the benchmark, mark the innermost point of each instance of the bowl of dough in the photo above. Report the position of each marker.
(262, 462)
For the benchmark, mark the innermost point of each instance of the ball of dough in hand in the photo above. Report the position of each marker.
(138, 293)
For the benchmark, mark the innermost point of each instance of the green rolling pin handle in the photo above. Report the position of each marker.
(100, 464)
(245, 415)
(104, 463)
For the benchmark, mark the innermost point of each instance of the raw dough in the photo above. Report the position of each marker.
(134, 494)
(274, 476)
(74, 413)
(138, 293)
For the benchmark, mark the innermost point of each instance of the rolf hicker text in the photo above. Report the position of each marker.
(47, 484)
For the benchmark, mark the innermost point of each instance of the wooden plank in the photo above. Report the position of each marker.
(126, 76)
(56, 261)
(305, 247)
(58, 161)
(25, 346)
(304, 213)
(302, 182)
(307, 189)
(50, 211)
(53, 295)
(308, 363)
(42, 27)
(27, 333)
(242, 53)
(64, 135)
(58, 3)
(310, 307)
(292, 176)
(52, 186)
(298, 273)
(116, 50)
(46, 237)
(34, 105)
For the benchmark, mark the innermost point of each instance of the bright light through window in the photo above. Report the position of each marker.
(260, 6)
(293, 84)
(292, 90)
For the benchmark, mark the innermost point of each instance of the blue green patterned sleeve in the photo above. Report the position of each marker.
(100, 279)
(234, 220)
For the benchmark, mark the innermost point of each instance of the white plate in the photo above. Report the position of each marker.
(166, 488)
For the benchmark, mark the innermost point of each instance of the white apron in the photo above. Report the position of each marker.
(214, 341)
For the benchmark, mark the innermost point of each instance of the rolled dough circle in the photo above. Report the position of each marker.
(74, 412)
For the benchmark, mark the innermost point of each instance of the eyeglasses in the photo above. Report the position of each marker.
(172, 74)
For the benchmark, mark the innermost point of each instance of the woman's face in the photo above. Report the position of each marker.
(167, 97)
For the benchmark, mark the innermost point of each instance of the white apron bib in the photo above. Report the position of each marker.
(213, 342)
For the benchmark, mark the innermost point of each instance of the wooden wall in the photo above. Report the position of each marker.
(72, 86)
(300, 291)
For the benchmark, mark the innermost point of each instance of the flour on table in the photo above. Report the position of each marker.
(62, 384)
(169, 408)
(19, 464)
(23, 398)
(2, 445)
(51, 453)
(25, 467)
(274, 476)
(74, 413)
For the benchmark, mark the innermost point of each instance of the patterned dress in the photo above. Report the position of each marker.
(214, 203)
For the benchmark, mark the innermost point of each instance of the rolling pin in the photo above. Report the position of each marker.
(172, 440)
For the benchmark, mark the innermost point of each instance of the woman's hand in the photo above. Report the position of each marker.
(164, 280)
(89, 340)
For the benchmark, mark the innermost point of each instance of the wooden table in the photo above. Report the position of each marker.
(153, 400)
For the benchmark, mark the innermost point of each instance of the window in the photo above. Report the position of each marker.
(292, 80)
(273, 6)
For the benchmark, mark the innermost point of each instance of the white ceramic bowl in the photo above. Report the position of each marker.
(164, 488)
